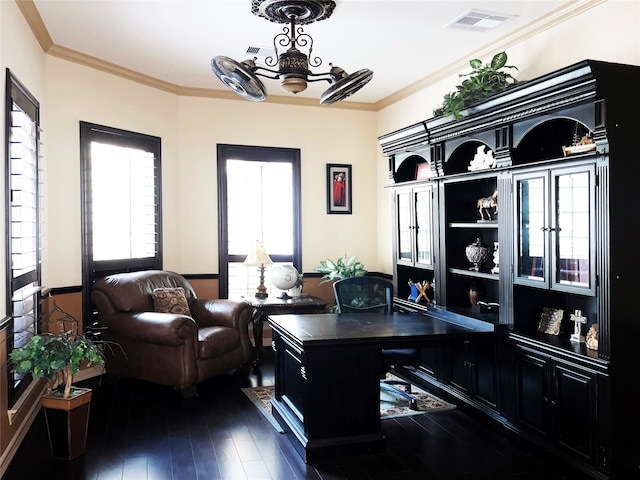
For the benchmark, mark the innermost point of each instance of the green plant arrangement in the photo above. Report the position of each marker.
(57, 356)
(344, 267)
(484, 81)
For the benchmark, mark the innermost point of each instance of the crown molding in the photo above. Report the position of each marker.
(34, 20)
(559, 15)
(108, 67)
(276, 99)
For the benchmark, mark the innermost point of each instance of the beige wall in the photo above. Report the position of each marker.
(27, 64)
(190, 129)
(323, 135)
(77, 93)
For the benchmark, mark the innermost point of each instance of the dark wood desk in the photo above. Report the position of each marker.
(263, 307)
(327, 371)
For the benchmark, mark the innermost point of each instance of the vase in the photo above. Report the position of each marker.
(476, 293)
(296, 291)
(477, 253)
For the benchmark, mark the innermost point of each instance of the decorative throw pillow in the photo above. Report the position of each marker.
(171, 300)
(550, 320)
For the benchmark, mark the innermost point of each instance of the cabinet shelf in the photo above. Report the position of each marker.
(474, 274)
(562, 348)
(492, 224)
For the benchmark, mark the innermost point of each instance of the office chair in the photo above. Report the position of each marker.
(370, 294)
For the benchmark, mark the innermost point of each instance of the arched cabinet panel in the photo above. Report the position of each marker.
(408, 169)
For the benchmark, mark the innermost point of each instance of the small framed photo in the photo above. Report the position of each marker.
(550, 320)
(338, 188)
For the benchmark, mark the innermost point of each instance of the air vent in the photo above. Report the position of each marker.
(260, 52)
(480, 20)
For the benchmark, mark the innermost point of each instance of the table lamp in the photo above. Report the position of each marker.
(258, 256)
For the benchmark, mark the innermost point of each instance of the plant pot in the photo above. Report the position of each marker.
(67, 423)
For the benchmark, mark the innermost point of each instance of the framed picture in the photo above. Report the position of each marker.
(338, 188)
(423, 171)
(550, 320)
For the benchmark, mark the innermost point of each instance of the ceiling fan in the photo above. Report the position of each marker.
(293, 64)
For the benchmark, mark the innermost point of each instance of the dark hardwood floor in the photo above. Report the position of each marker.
(143, 431)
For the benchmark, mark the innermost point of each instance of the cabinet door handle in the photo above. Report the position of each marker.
(545, 400)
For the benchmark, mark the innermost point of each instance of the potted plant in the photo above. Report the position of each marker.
(344, 267)
(484, 81)
(56, 356)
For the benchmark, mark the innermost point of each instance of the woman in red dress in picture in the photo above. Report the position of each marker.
(339, 190)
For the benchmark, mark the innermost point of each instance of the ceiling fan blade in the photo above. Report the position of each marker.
(239, 78)
(346, 86)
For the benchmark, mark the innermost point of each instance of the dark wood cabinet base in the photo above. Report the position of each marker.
(311, 450)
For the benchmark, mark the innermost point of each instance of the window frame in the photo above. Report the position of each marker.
(258, 154)
(92, 271)
(17, 93)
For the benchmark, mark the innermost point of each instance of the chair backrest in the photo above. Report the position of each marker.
(131, 292)
(363, 294)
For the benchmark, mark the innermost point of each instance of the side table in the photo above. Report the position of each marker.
(263, 307)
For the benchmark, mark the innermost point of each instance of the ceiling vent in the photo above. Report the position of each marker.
(260, 52)
(479, 20)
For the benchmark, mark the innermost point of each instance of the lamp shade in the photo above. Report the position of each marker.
(257, 255)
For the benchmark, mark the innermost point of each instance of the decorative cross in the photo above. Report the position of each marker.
(422, 288)
(578, 320)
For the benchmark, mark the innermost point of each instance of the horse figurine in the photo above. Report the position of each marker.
(485, 205)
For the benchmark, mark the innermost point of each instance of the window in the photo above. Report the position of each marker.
(259, 199)
(22, 135)
(121, 226)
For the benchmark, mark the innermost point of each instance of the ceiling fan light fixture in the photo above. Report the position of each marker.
(293, 65)
(293, 84)
(293, 68)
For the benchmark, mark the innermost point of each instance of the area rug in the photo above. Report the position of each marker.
(391, 405)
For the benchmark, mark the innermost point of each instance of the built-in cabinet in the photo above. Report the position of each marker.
(473, 371)
(512, 221)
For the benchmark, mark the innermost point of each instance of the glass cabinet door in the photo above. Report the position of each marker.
(415, 231)
(424, 234)
(531, 234)
(555, 231)
(404, 226)
(574, 229)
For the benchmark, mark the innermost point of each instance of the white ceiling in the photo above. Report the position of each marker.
(174, 40)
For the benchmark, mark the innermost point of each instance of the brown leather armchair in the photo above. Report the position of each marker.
(169, 348)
